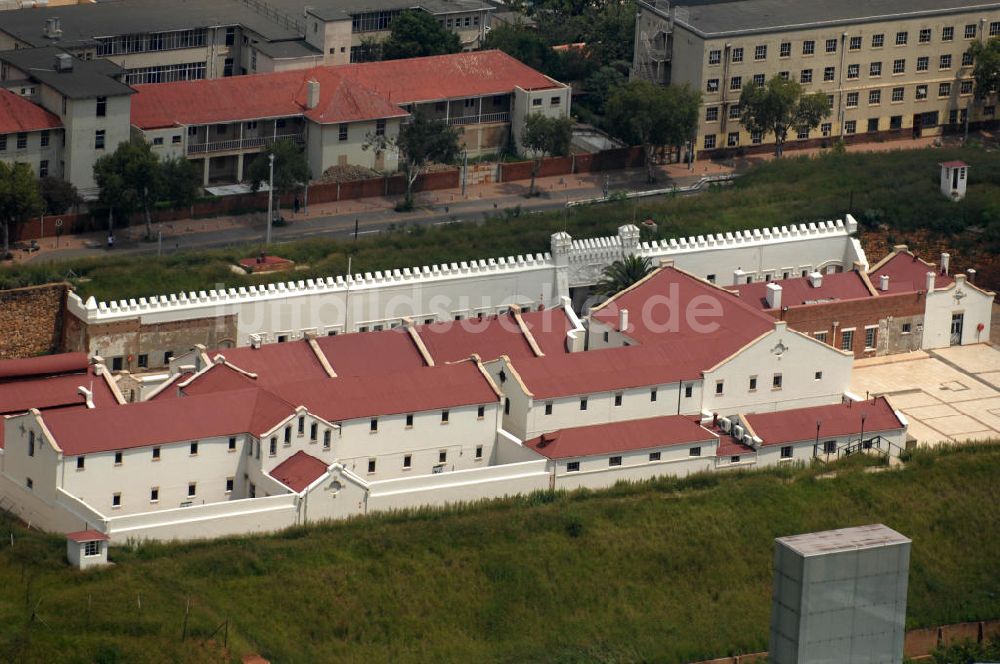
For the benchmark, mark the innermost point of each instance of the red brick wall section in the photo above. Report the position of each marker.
(813, 318)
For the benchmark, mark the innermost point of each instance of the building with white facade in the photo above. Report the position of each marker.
(259, 438)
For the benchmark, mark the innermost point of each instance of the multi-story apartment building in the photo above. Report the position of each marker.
(82, 112)
(894, 68)
(158, 43)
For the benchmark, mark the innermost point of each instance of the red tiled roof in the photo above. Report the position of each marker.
(908, 274)
(657, 313)
(348, 93)
(219, 378)
(429, 388)
(44, 364)
(730, 447)
(954, 164)
(797, 291)
(468, 74)
(47, 392)
(842, 419)
(19, 114)
(620, 437)
(82, 536)
(549, 328)
(236, 98)
(299, 471)
(147, 423)
(371, 353)
(489, 337)
(274, 364)
(608, 369)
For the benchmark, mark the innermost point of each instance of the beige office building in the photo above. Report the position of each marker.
(890, 68)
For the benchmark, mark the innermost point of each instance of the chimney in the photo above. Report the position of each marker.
(98, 369)
(971, 275)
(945, 262)
(64, 62)
(815, 279)
(930, 282)
(739, 277)
(52, 30)
(623, 320)
(87, 394)
(773, 296)
(312, 94)
(883, 282)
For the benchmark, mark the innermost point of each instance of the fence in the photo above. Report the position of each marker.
(330, 192)
(918, 643)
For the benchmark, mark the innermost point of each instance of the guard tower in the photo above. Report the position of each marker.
(954, 177)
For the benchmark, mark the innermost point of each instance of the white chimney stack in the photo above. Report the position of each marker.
(945, 262)
(623, 320)
(739, 277)
(312, 94)
(773, 296)
(87, 394)
(930, 282)
(815, 279)
(971, 275)
(883, 282)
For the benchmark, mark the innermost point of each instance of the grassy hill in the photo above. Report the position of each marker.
(897, 189)
(667, 571)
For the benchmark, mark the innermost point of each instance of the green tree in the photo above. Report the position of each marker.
(778, 106)
(523, 44)
(58, 195)
(603, 83)
(641, 113)
(543, 136)
(623, 273)
(416, 34)
(129, 179)
(290, 170)
(181, 182)
(986, 72)
(20, 199)
(421, 141)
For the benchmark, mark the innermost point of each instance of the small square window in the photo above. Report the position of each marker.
(652, 394)
(232, 444)
(618, 399)
(479, 451)
(831, 45)
(118, 458)
(229, 485)
(326, 439)
(192, 489)
(444, 417)
(970, 31)
(116, 500)
(760, 52)
(583, 404)
(818, 375)
(194, 448)
(906, 328)
(925, 36)
(808, 47)
(855, 44)
(923, 63)
(786, 452)
(712, 85)
(875, 69)
(737, 54)
(785, 50)
(373, 424)
(156, 454)
(711, 115)
(371, 466)
(81, 462)
(688, 390)
(654, 456)
(948, 33)
(154, 494)
(776, 381)
(878, 41)
(407, 461)
(719, 386)
(694, 451)
(614, 461)
(902, 37)
(753, 383)
(572, 466)
(443, 456)
(853, 71)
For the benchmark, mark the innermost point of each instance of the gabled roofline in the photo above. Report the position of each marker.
(650, 275)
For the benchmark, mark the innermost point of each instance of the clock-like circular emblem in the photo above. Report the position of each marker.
(780, 349)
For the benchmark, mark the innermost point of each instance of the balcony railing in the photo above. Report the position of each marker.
(250, 143)
(483, 118)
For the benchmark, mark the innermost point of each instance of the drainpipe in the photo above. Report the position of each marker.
(840, 83)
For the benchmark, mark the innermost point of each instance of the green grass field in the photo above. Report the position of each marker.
(668, 571)
(898, 189)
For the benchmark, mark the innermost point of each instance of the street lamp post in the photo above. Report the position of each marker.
(270, 199)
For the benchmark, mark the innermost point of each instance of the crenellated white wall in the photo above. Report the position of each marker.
(464, 289)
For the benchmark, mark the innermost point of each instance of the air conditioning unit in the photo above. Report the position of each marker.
(738, 432)
(255, 340)
(725, 424)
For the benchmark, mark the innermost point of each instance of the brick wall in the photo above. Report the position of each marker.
(859, 314)
(31, 320)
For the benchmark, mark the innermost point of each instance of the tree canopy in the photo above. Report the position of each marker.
(416, 34)
(20, 199)
(290, 169)
(129, 179)
(986, 72)
(543, 136)
(641, 113)
(181, 182)
(623, 273)
(421, 141)
(58, 195)
(779, 106)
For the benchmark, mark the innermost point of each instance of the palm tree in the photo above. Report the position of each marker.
(623, 273)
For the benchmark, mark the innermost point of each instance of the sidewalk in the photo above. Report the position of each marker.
(375, 214)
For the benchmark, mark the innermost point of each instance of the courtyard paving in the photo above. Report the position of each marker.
(947, 394)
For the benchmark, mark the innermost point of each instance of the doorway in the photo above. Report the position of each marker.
(957, 321)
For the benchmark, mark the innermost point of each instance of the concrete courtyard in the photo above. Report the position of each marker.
(948, 394)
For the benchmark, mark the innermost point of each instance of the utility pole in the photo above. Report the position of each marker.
(270, 199)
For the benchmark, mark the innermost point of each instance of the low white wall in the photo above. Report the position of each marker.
(603, 478)
(459, 487)
(32, 509)
(236, 517)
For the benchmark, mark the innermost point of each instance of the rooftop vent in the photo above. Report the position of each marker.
(816, 279)
(883, 282)
(64, 62)
(312, 94)
(547, 438)
(53, 29)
